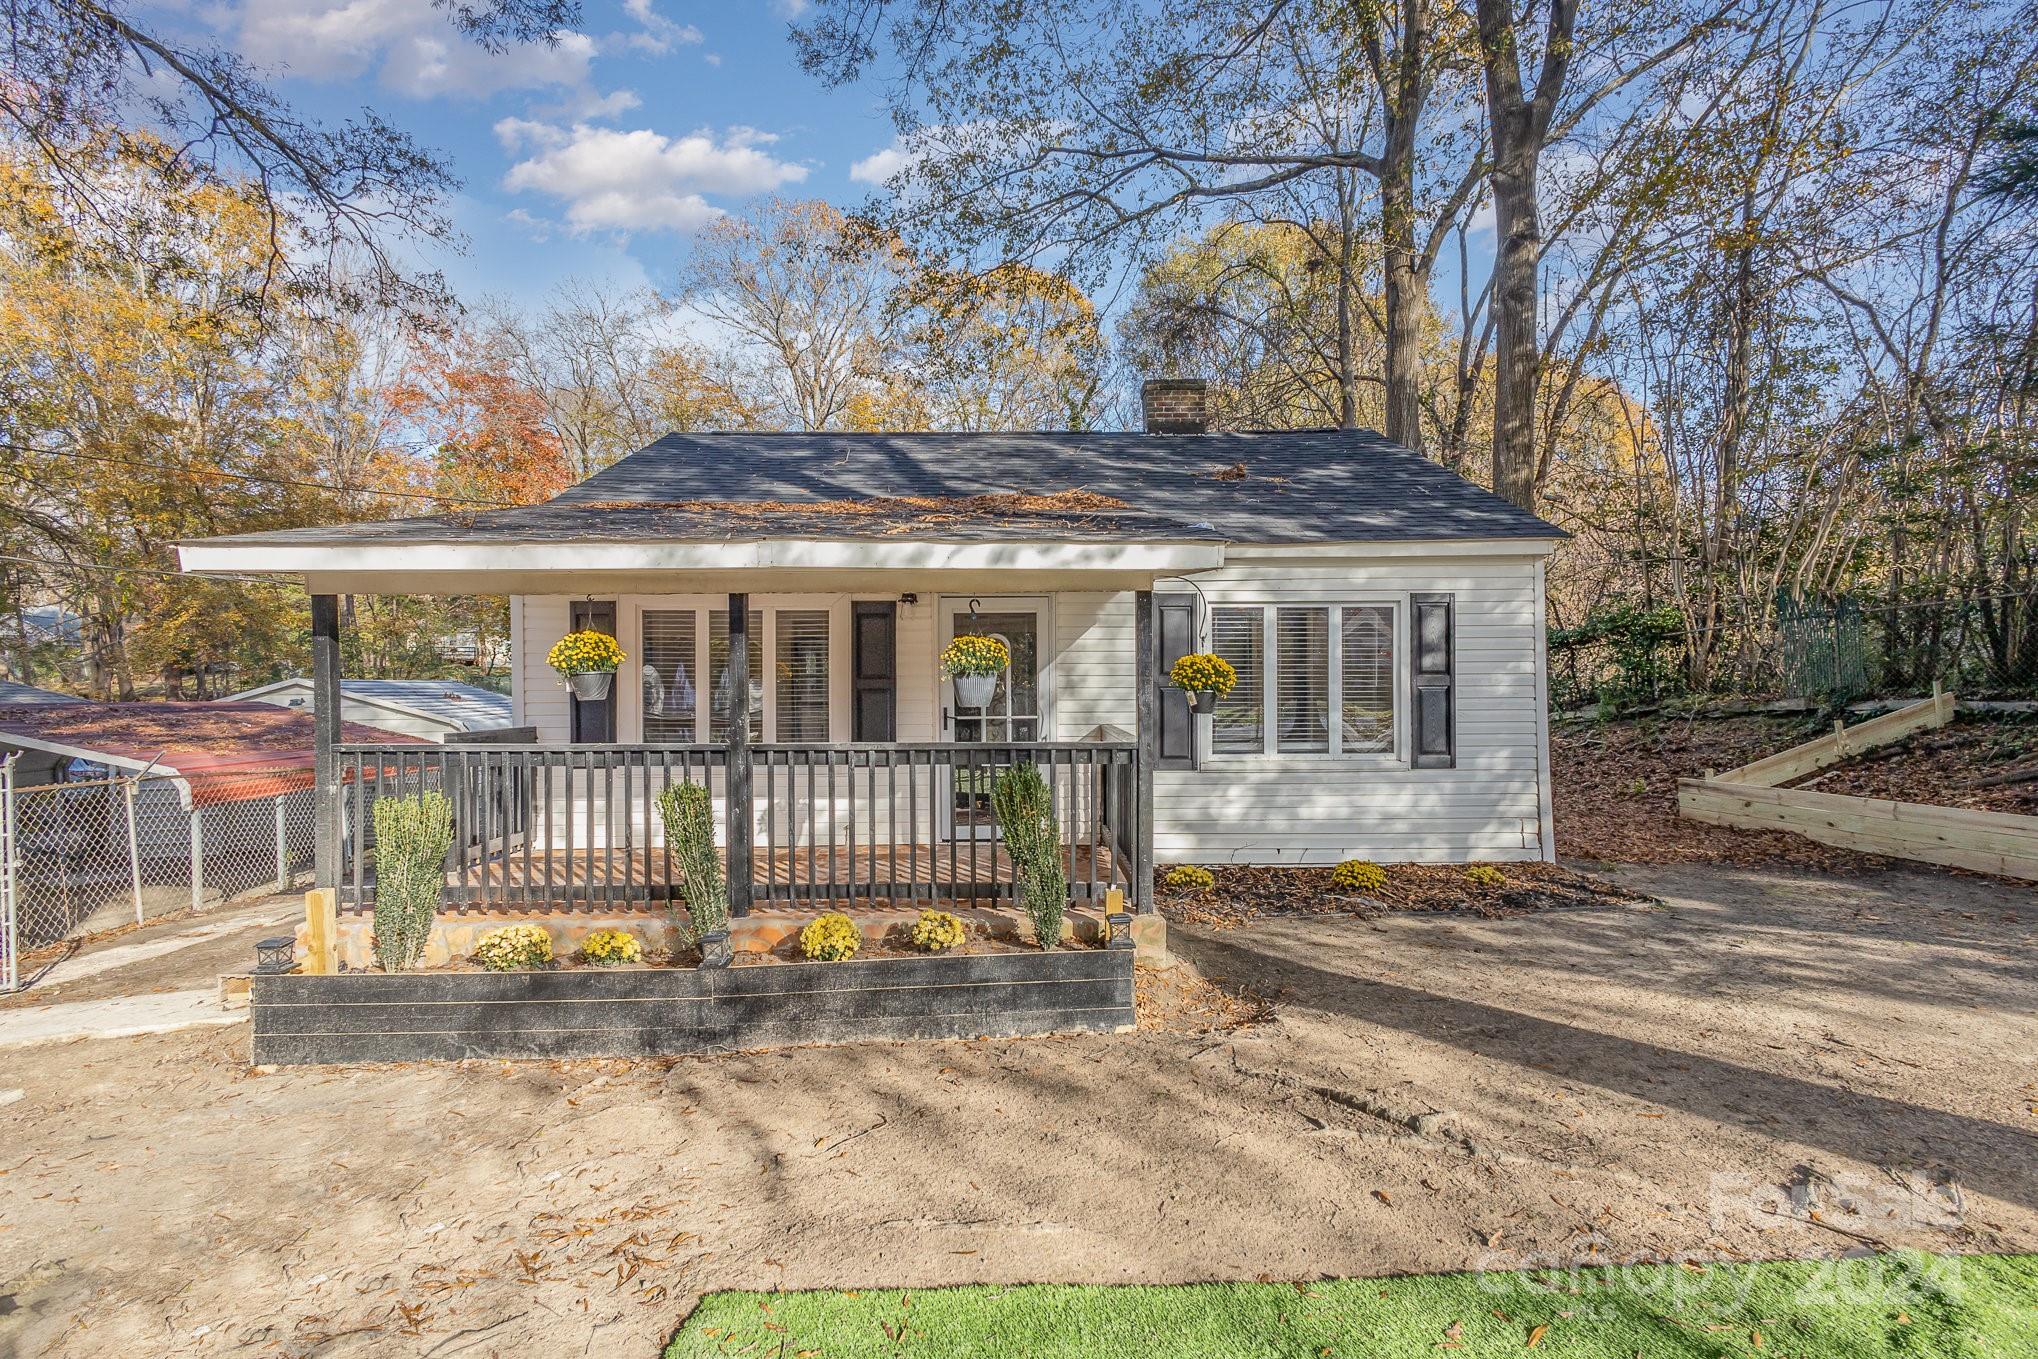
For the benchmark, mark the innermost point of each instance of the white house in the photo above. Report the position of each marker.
(1385, 618)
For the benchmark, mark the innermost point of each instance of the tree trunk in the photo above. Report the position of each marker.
(1517, 355)
(1407, 283)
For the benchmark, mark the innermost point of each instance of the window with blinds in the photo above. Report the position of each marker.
(1302, 671)
(1239, 724)
(722, 698)
(802, 675)
(671, 702)
(1327, 671)
(1366, 679)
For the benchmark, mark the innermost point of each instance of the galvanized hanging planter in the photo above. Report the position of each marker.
(1206, 700)
(974, 691)
(590, 686)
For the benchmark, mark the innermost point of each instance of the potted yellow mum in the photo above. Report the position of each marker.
(974, 664)
(588, 660)
(1206, 676)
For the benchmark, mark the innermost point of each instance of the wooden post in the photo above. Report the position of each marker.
(321, 932)
(325, 720)
(742, 832)
(1147, 681)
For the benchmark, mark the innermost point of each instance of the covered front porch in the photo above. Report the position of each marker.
(794, 678)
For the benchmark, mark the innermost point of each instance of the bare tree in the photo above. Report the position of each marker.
(1079, 133)
(80, 71)
(807, 294)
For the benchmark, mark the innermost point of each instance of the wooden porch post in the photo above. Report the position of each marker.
(1149, 711)
(325, 721)
(742, 828)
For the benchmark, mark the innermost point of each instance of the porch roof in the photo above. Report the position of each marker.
(973, 542)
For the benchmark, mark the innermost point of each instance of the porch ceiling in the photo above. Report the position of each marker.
(791, 565)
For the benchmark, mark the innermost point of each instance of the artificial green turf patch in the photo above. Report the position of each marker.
(1904, 1304)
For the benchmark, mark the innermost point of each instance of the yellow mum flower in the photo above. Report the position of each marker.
(585, 653)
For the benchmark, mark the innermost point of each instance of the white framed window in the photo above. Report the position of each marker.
(1313, 679)
(669, 675)
(682, 661)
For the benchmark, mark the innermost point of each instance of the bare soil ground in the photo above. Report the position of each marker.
(1614, 792)
(1429, 1092)
(1955, 766)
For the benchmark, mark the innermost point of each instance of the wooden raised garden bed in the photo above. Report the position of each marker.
(1752, 798)
(641, 1012)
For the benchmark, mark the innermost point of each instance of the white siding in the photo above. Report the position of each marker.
(1244, 808)
(1315, 809)
(540, 695)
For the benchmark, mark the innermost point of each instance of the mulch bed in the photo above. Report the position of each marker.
(1614, 793)
(1245, 894)
(1946, 768)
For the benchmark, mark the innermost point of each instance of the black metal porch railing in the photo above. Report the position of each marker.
(577, 827)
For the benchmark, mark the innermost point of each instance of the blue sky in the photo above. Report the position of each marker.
(592, 158)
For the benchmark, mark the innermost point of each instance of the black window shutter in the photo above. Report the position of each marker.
(595, 720)
(874, 662)
(1175, 631)
(1435, 726)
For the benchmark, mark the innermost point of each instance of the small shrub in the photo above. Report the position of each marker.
(514, 948)
(833, 938)
(1189, 878)
(611, 948)
(1024, 805)
(412, 835)
(688, 813)
(1357, 875)
(1485, 875)
(937, 931)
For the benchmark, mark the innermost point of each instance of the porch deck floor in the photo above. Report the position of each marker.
(885, 874)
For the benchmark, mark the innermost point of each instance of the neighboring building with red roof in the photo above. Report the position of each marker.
(218, 752)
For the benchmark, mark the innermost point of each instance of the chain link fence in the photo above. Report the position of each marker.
(1980, 645)
(86, 856)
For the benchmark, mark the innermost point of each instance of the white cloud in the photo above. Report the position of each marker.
(712, 58)
(879, 166)
(658, 34)
(640, 180)
(410, 46)
(789, 9)
(594, 105)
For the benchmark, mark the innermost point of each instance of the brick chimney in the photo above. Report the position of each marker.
(1175, 405)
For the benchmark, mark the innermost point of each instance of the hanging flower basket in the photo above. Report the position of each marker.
(973, 664)
(588, 660)
(1207, 678)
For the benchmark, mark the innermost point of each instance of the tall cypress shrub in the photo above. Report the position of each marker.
(1025, 809)
(688, 811)
(412, 835)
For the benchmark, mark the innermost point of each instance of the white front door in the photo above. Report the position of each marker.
(1020, 709)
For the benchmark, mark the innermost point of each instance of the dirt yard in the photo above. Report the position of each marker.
(1432, 1092)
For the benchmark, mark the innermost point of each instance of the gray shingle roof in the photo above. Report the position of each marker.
(14, 694)
(1275, 487)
